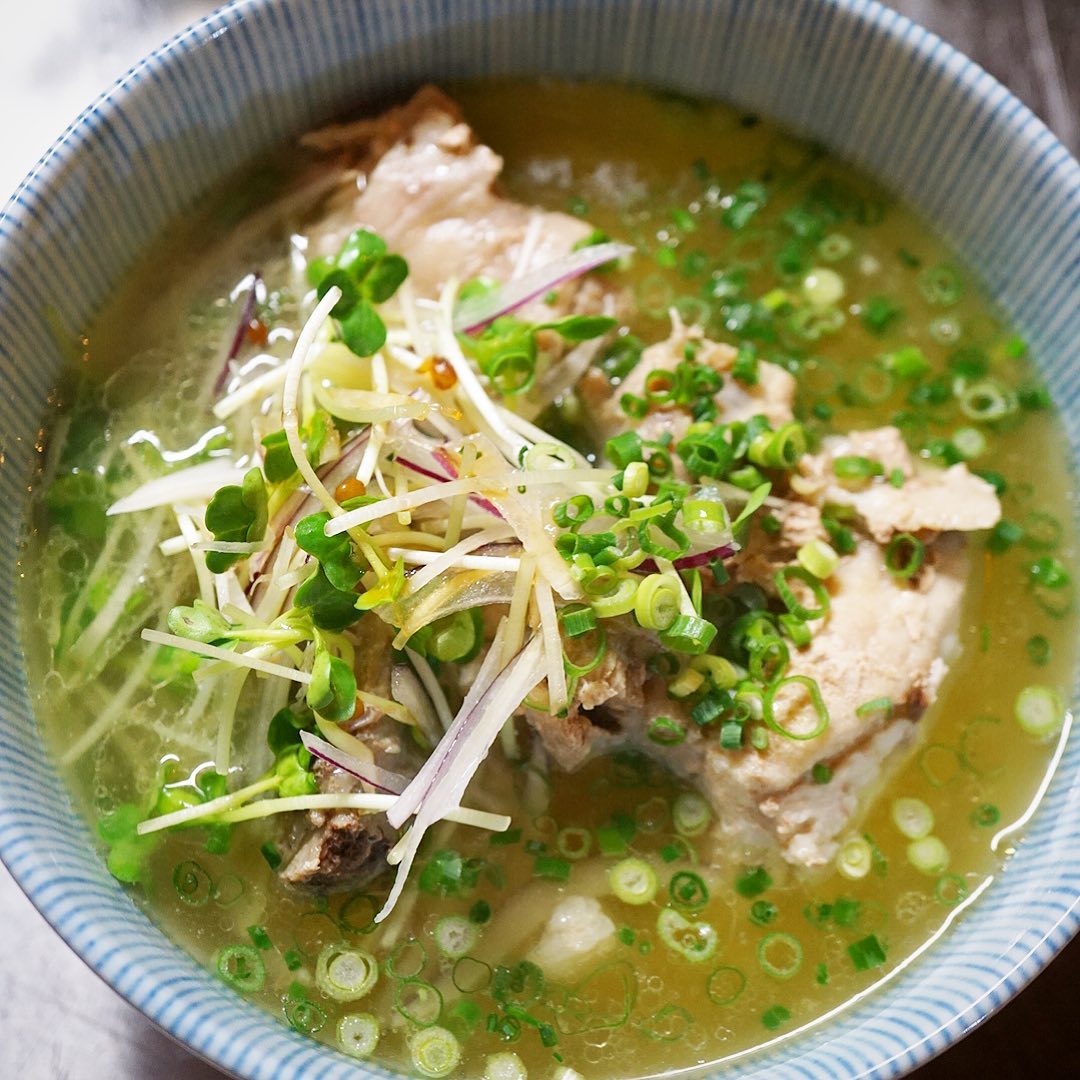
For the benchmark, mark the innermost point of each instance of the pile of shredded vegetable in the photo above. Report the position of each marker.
(393, 471)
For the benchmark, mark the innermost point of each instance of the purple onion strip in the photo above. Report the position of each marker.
(690, 562)
(514, 294)
(247, 313)
(390, 782)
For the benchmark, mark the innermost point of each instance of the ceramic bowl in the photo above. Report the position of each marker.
(867, 83)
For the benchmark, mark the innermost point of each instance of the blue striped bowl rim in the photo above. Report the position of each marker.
(865, 81)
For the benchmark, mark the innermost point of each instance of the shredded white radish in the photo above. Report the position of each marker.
(528, 245)
(266, 382)
(93, 637)
(173, 545)
(432, 686)
(519, 607)
(207, 809)
(191, 537)
(553, 652)
(409, 691)
(490, 668)
(373, 803)
(215, 652)
(442, 561)
(479, 485)
(230, 547)
(290, 416)
(458, 756)
(195, 484)
(115, 711)
(465, 562)
(468, 385)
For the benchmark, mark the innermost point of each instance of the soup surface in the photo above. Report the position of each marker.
(546, 941)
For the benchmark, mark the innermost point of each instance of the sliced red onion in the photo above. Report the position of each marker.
(246, 315)
(383, 779)
(690, 562)
(474, 315)
(447, 462)
(430, 474)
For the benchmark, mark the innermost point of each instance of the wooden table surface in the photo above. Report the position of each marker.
(58, 1021)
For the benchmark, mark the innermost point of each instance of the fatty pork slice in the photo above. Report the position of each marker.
(772, 396)
(427, 186)
(929, 499)
(882, 639)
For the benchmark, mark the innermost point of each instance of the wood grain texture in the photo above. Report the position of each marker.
(1032, 46)
(60, 1021)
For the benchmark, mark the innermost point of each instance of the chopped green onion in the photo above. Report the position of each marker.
(635, 481)
(695, 940)
(1038, 650)
(345, 973)
(942, 285)
(504, 1066)
(878, 313)
(633, 881)
(260, 938)
(780, 955)
(687, 682)
(986, 400)
(929, 855)
(876, 705)
(970, 442)
(667, 528)
(796, 629)
(834, 247)
(434, 1052)
(753, 882)
(763, 912)
(573, 842)
(775, 1017)
(819, 558)
(855, 467)
(241, 967)
(358, 1034)
(688, 634)
(574, 512)
(723, 672)
(1039, 711)
(792, 602)
(705, 516)
(913, 818)
(656, 605)
(690, 814)
(817, 703)
(418, 1001)
(618, 602)
(688, 890)
(855, 858)
(577, 619)
(455, 936)
(867, 953)
(623, 449)
(725, 985)
(821, 773)
(950, 889)
(985, 816)
(664, 731)
(551, 866)
(904, 555)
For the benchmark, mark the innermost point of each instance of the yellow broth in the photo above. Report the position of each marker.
(624, 158)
